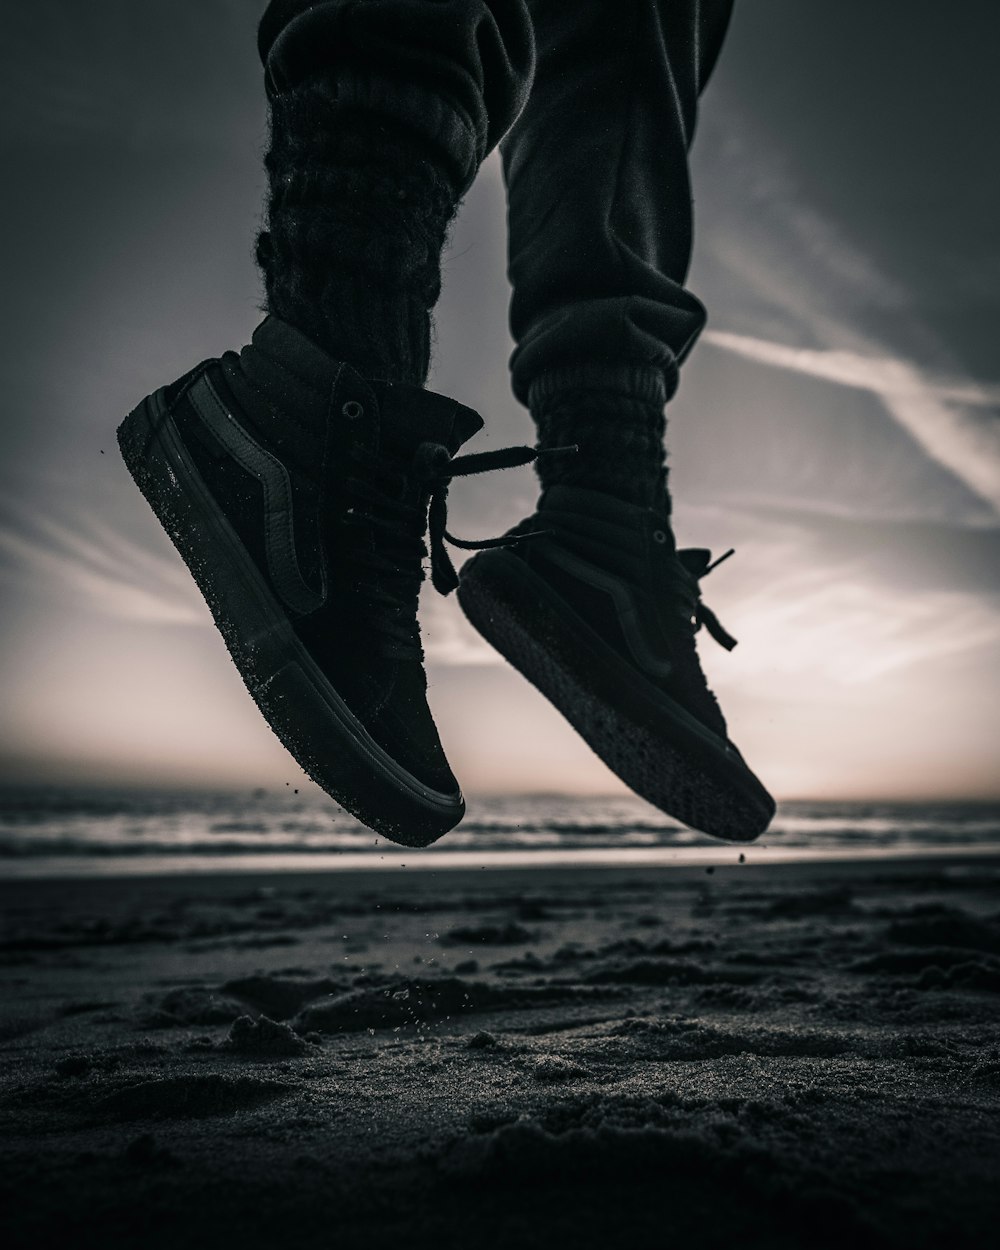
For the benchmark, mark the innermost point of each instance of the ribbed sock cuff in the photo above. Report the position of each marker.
(615, 418)
(357, 217)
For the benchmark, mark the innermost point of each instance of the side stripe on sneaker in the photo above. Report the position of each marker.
(628, 613)
(279, 525)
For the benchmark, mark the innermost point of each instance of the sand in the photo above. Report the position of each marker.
(772, 1056)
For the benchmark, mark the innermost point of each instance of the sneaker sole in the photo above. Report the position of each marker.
(658, 749)
(298, 702)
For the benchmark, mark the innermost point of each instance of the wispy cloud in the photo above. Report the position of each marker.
(838, 625)
(448, 637)
(98, 568)
(944, 416)
(883, 375)
(84, 559)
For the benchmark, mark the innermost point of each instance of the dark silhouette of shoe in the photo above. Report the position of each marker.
(599, 611)
(297, 492)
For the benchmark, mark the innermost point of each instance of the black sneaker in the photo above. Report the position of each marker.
(297, 494)
(599, 611)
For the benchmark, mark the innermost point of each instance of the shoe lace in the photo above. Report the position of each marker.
(701, 613)
(386, 524)
(691, 566)
(436, 468)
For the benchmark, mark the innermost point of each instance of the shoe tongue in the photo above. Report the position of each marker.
(695, 559)
(410, 416)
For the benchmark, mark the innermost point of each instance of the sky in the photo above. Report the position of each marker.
(838, 424)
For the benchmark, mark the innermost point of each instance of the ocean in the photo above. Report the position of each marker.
(70, 832)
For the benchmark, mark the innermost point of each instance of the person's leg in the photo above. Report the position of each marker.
(381, 111)
(600, 609)
(299, 476)
(600, 227)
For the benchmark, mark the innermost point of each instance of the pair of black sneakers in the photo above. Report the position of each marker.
(303, 498)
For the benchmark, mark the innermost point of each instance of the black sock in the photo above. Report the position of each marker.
(357, 215)
(620, 441)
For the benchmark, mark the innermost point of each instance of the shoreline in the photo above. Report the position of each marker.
(143, 864)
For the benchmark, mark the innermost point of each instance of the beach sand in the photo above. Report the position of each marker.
(779, 1055)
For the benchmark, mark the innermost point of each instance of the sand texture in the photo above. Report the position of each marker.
(756, 1056)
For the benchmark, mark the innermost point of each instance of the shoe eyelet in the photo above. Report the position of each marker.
(659, 536)
(352, 410)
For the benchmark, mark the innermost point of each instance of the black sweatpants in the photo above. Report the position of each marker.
(593, 103)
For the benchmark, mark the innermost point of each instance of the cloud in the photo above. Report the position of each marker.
(838, 625)
(883, 375)
(89, 560)
(448, 637)
(942, 415)
(794, 268)
(98, 568)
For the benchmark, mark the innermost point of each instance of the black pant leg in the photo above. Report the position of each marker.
(454, 72)
(599, 191)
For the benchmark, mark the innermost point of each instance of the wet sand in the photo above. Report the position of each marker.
(781, 1055)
